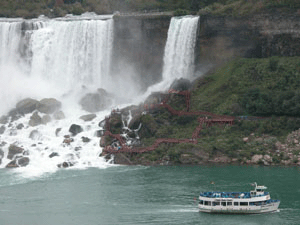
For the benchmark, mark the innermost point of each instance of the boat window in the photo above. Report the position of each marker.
(201, 202)
(229, 203)
(207, 203)
(236, 203)
(223, 203)
(243, 203)
(215, 203)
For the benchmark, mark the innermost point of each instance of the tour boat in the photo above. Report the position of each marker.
(255, 201)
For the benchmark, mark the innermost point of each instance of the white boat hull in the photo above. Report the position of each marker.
(272, 207)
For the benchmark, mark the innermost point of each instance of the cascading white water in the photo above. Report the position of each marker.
(179, 51)
(179, 54)
(50, 58)
(45, 58)
(73, 52)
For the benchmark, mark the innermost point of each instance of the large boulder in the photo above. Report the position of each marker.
(14, 150)
(75, 129)
(35, 120)
(27, 105)
(59, 115)
(21, 162)
(181, 84)
(48, 105)
(95, 102)
(46, 119)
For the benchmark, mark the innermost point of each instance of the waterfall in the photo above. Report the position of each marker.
(61, 58)
(179, 51)
(179, 54)
(65, 55)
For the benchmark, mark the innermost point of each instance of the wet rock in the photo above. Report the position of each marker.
(57, 131)
(59, 115)
(68, 140)
(88, 117)
(65, 164)
(14, 150)
(1, 155)
(2, 129)
(27, 105)
(46, 119)
(95, 102)
(53, 154)
(48, 105)
(20, 126)
(24, 161)
(35, 135)
(85, 139)
(181, 84)
(35, 120)
(21, 162)
(3, 119)
(75, 129)
(15, 115)
(99, 133)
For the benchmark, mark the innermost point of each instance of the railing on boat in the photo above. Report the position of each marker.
(229, 194)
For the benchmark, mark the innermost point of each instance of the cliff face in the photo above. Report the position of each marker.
(258, 36)
(139, 44)
(139, 41)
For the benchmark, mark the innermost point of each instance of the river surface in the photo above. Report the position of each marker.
(140, 195)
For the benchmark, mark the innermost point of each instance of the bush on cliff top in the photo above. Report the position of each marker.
(258, 87)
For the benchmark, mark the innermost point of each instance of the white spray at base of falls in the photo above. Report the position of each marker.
(54, 58)
(63, 58)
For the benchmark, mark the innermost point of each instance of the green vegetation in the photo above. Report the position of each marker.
(257, 87)
(247, 7)
(244, 88)
(55, 8)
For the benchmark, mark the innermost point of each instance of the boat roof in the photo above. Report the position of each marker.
(216, 194)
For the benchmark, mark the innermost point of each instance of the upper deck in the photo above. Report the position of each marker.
(240, 195)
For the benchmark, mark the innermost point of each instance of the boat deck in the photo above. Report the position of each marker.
(230, 194)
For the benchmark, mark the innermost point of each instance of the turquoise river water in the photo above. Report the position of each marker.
(141, 195)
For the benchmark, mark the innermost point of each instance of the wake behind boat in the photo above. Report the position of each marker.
(256, 201)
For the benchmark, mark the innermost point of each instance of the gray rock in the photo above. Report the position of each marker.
(88, 117)
(95, 102)
(35, 135)
(3, 119)
(181, 84)
(48, 105)
(14, 150)
(21, 162)
(75, 129)
(59, 115)
(27, 105)
(35, 120)
(46, 119)
(57, 131)
(20, 126)
(53, 154)
(85, 139)
(1, 155)
(2, 129)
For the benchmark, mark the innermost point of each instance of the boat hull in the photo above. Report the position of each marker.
(268, 208)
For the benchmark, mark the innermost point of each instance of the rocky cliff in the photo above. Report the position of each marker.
(139, 41)
(258, 36)
(139, 44)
